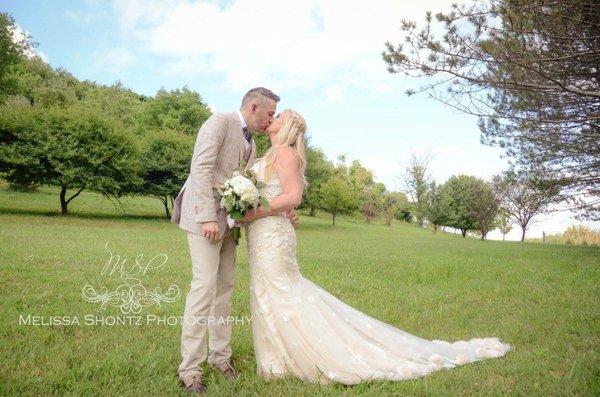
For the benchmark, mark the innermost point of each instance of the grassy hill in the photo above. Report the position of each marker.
(542, 299)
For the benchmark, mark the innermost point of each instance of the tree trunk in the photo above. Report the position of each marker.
(463, 232)
(435, 228)
(63, 202)
(166, 203)
(523, 235)
(503, 236)
(333, 216)
(312, 211)
(483, 235)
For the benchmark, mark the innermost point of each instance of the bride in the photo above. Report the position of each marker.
(301, 330)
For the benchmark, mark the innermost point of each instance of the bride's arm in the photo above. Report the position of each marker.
(287, 166)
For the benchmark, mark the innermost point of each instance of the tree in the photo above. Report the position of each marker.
(524, 196)
(72, 148)
(504, 223)
(367, 192)
(392, 204)
(437, 206)
(416, 181)
(371, 201)
(318, 171)
(359, 177)
(14, 46)
(263, 143)
(120, 104)
(337, 197)
(529, 71)
(405, 212)
(484, 207)
(459, 192)
(165, 166)
(180, 110)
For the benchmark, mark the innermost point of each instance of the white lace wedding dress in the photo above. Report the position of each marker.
(301, 330)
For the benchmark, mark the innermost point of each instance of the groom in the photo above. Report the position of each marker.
(223, 141)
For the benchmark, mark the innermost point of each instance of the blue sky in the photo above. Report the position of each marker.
(322, 57)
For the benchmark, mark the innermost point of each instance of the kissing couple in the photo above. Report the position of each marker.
(298, 329)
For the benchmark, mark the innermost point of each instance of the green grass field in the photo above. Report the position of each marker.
(542, 299)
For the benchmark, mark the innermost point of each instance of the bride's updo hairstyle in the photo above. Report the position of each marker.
(291, 133)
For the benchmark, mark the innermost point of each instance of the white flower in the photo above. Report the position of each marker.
(230, 222)
(238, 193)
(244, 188)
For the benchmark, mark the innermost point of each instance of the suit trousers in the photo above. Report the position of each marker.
(208, 304)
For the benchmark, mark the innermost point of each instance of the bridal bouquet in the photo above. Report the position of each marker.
(238, 194)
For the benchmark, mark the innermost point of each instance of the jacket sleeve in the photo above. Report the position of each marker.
(208, 143)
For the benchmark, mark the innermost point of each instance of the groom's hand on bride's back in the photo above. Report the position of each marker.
(210, 230)
(291, 214)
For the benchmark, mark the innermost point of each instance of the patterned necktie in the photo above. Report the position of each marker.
(247, 134)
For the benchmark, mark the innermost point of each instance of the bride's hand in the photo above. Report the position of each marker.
(249, 216)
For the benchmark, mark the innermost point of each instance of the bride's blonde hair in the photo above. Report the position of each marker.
(291, 133)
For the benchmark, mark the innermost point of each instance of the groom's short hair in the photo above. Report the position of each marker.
(259, 93)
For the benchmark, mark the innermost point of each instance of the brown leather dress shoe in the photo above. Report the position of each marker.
(194, 385)
(227, 370)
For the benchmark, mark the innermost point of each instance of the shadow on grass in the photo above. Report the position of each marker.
(56, 214)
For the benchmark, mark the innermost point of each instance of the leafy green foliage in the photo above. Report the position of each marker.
(71, 148)
(337, 197)
(528, 70)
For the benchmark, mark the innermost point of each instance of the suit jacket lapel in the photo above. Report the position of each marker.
(238, 136)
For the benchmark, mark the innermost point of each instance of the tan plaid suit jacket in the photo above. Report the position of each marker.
(218, 151)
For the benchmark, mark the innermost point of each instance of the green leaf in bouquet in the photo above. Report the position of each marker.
(236, 234)
(260, 185)
(229, 203)
(264, 202)
(236, 214)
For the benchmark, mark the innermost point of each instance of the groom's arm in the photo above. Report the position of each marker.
(208, 143)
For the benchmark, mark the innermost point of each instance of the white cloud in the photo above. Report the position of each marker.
(334, 93)
(82, 17)
(20, 36)
(42, 55)
(113, 61)
(281, 44)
